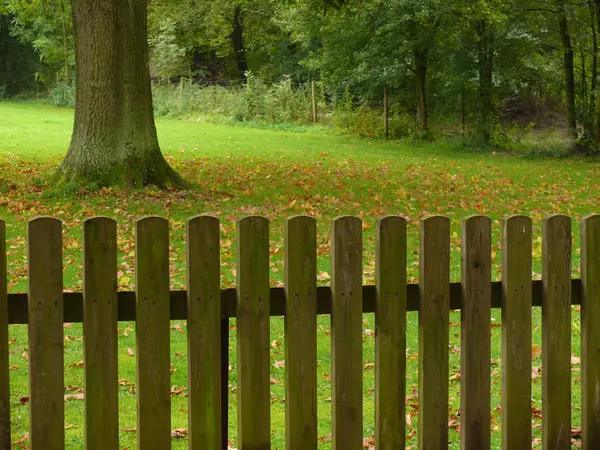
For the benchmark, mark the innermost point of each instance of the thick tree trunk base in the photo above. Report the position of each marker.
(131, 172)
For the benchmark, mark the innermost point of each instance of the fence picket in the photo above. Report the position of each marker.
(152, 333)
(346, 333)
(46, 355)
(475, 332)
(301, 333)
(203, 332)
(556, 332)
(590, 332)
(434, 284)
(253, 312)
(516, 332)
(4, 376)
(100, 333)
(390, 334)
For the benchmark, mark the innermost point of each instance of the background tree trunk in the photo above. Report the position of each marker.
(485, 67)
(237, 38)
(565, 37)
(114, 137)
(420, 55)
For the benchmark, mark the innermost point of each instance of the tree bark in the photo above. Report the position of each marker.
(569, 74)
(420, 56)
(485, 67)
(237, 38)
(114, 137)
(65, 42)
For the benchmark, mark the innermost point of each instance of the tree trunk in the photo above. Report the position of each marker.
(485, 68)
(65, 42)
(420, 55)
(237, 38)
(114, 137)
(569, 75)
(594, 60)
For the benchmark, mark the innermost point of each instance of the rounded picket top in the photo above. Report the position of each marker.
(433, 224)
(300, 219)
(203, 220)
(99, 227)
(476, 220)
(590, 219)
(342, 224)
(252, 222)
(555, 219)
(516, 222)
(391, 223)
(43, 222)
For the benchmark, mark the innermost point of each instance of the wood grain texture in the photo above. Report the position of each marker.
(301, 333)
(152, 333)
(46, 360)
(346, 333)
(5, 442)
(254, 388)
(556, 332)
(516, 333)
(204, 333)
(434, 284)
(390, 333)
(590, 332)
(100, 333)
(475, 332)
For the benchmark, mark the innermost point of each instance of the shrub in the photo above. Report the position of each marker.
(63, 95)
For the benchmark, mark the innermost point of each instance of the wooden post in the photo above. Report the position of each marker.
(153, 333)
(46, 348)
(301, 333)
(556, 332)
(100, 333)
(390, 333)
(313, 86)
(346, 333)
(386, 111)
(204, 334)
(4, 376)
(253, 311)
(516, 332)
(475, 345)
(590, 332)
(434, 286)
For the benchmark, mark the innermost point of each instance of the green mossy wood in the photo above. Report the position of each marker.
(475, 332)
(100, 333)
(346, 333)
(390, 333)
(434, 285)
(556, 332)
(152, 333)
(253, 319)
(203, 333)
(4, 366)
(114, 137)
(301, 333)
(590, 332)
(516, 332)
(46, 349)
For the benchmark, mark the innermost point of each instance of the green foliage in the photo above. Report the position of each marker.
(63, 95)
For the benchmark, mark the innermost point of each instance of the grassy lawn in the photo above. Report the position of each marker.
(240, 171)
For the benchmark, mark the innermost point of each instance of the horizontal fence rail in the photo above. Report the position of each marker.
(73, 301)
(208, 308)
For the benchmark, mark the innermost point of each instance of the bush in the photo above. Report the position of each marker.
(63, 95)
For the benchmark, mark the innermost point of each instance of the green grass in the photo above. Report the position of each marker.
(275, 173)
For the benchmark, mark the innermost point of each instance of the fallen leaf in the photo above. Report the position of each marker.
(24, 400)
(278, 364)
(274, 381)
(130, 352)
(77, 364)
(74, 397)
(179, 433)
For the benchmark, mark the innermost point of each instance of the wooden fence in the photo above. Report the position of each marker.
(207, 309)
